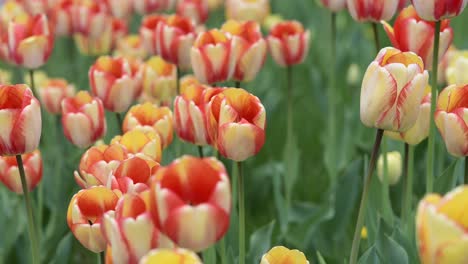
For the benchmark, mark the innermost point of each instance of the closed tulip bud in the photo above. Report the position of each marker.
(30, 42)
(112, 82)
(236, 121)
(245, 10)
(334, 5)
(90, 18)
(9, 10)
(131, 47)
(133, 174)
(151, 6)
(392, 90)
(9, 173)
(121, 9)
(52, 92)
(148, 32)
(283, 255)
(20, 116)
(375, 11)
(129, 230)
(150, 117)
(84, 216)
(435, 10)
(411, 33)
(191, 201)
(353, 76)
(420, 131)
(451, 119)
(175, 37)
(83, 119)
(213, 57)
(190, 113)
(252, 48)
(61, 17)
(177, 255)
(457, 68)
(159, 81)
(145, 144)
(94, 46)
(288, 43)
(441, 228)
(393, 167)
(196, 10)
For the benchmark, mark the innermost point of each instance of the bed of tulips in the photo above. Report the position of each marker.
(236, 131)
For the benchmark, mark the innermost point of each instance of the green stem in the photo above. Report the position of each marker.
(240, 198)
(238, 84)
(222, 245)
(178, 80)
(409, 167)
(431, 144)
(365, 192)
(33, 84)
(101, 258)
(386, 191)
(200, 151)
(466, 170)
(332, 102)
(376, 37)
(29, 211)
(118, 117)
(289, 87)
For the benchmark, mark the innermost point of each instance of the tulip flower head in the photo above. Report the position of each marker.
(20, 115)
(435, 10)
(178, 255)
(195, 10)
(283, 255)
(245, 10)
(288, 43)
(191, 201)
(392, 90)
(151, 6)
(150, 117)
(175, 37)
(159, 81)
(121, 9)
(112, 82)
(61, 16)
(9, 173)
(148, 32)
(90, 18)
(30, 41)
(334, 5)
(9, 10)
(411, 33)
(213, 57)
(441, 227)
(394, 167)
(252, 48)
(457, 68)
(83, 119)
(131, 47)
(52, 92)
(450, 117)
(140, 143)
(84, 216)
(374, 11)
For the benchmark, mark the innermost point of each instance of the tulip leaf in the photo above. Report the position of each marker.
(388, 249)
(370, 257)
(447, 180)
(209, 255)
(260, 243)
(320, 258)
(64, 248)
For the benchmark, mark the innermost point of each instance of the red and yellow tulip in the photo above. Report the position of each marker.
(51, 93)
(9, 173)
(283, 255)
(121, 9)
(195, 10)
(457, 66)
(178, 255)
(288, 43)
(433, 10)
(144, 144)
(131, 47)
(375, 11)
(334, 5)
(159, 81)
(152, 6)
(245, 10)
(61, 17)
(148, 32)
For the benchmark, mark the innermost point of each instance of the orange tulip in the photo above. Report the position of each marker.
(20, 116)
(144, 144)
(288, 43)
(52, 92)
(159, 81)
(9, 173)
(178, 255)
(282, 255)
(196, 10)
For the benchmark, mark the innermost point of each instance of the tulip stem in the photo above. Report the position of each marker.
(119, 122)
(365, 192)
(222, 245)
(31, 79)
(178, 80)
(240, 198)
(466, 170)
(29, 211)
(376, 36)
(238, 84)
(101, 258)
(289, 77)
(408, 172)
(431, 144)
(332, 103)
(200, 151)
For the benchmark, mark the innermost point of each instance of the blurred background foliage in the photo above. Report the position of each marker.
(290, 198)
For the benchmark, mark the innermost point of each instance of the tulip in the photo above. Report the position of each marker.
(112, 82)
(252, 48)
(90, 18)
(129, 230)
(334, 5)
(402, 4)
(83, 119)
(10, 10)
(84, 216)
(178, 255)
(61, 16)
(121, 9)
(236, 121)
(148, 32)
(133, 174)
(392, 90)
(419, 132)
(441, 227)
(191, 201)
(30, 42)
(457, 68)
(159, 81)
(150, 117)
(94, 46)
(450, 118)
(196, 10)
(288, 43)
(375, 11)
(9, 173)
(144, 144)
(119, 30)
(175, 37)
(52, 92)
(394, 169)
(436, 10)
(244, 10)
(411, 33)
(131, 47)
(20, 116)
(152, 6)
(282, 255)
(213, 57)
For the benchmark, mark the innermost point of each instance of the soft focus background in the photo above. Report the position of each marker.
(317, 218)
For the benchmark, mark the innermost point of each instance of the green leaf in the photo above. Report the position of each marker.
(370, 257)
(62, 254)
(388, 249)
(260, 243)
(320, 258)
(447, 180)
(209, 255)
